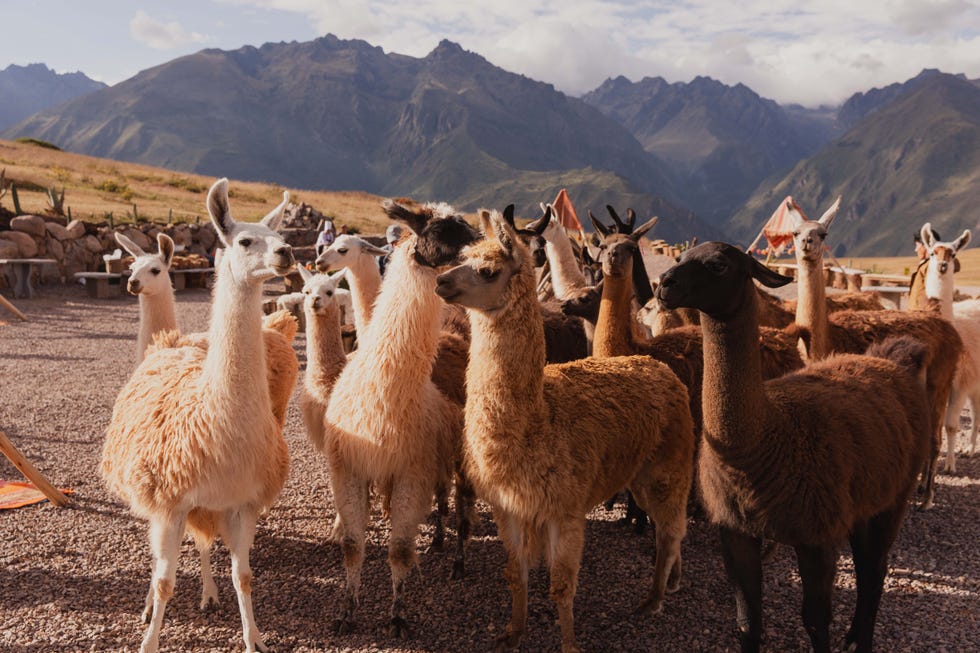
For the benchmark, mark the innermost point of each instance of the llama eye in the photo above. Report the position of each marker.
(342, 250)
(155, 271)
(245, 242)
(487, 274)
(329, 293)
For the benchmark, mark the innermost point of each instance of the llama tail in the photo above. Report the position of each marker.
(283, 322)
(904, 351)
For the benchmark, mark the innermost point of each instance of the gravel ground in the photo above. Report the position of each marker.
(74, 579)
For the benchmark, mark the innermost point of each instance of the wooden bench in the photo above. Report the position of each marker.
(197, 276)
(23, 269)
(891, 294)
(97, 283)
(876, 280)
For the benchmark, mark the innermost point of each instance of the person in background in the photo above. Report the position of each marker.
(917, 284)
(392, 234)
(326, 237)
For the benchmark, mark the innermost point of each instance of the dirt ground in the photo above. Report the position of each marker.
(74, 579)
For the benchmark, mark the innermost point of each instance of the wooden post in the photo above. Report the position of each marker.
(28, 470)
(13, 309)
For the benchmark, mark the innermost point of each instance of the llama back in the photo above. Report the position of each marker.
(605, 435)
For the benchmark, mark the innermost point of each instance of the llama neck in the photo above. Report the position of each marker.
(156, 314)
(403, 343)
(325, 356)
(811, 306)
(613, 329)
(235, 369)
(732, 397)
(504, 379)
(566, 275)
(364, 280)
(939, 287)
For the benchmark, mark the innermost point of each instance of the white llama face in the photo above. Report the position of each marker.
(808, 239)
(253, 251)
(345, 251)
(148, 272)
(320, 291)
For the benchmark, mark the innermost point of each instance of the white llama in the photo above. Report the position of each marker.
(149, 279)
(193, 441)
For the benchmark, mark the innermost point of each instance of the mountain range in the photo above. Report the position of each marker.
(712, 160)
(28, 89)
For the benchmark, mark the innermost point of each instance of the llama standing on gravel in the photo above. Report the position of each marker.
(386, 423)
(939, 291)
(809, 459)
(854, 331)
(149, 279)
(543, 448)
(193, 441)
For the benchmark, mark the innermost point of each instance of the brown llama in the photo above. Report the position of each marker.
(853, 331)
(542, 448)
(809, 459)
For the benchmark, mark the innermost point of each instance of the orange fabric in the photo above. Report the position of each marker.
(14, 494)
(566, 212)
(779, 229)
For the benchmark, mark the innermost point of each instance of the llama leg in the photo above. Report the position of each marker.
(409, 504)
(743, 563)
(565, 542)
(668, 510)
(165, 536)
(635, 514)
(465, 498)
(442, 509)
(974, 409)
(209, 590)
(239, 533)
(818, 566)
(957, 400)
(351, 496)
(870, 543)
(515, 573)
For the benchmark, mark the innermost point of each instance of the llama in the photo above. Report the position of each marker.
(854, 331)
(149, 280)
(193, 442)
(543, 449)
(826, 453)
(386, 422)
(567, 278)
(939, 291)
(363, 275)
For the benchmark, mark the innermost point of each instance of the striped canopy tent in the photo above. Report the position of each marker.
(778, 230)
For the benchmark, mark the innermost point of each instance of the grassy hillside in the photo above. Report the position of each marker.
(95, 187)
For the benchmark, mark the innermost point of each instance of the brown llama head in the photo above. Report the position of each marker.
(530, 234)
(485, 279)
(440, 232)
(618, 246)
(715, 278)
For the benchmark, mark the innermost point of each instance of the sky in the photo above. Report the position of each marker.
(812, 52)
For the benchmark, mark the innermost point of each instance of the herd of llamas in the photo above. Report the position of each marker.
(476, 376)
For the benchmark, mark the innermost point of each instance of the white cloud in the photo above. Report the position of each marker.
(811, 53)
(161, 35)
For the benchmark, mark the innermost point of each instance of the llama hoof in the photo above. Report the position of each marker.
(508, 641)
(209, 603)
(458, 572)
(343, 626)
(437, 545)
(926, 505)
(398, 627)
(649, 608)
(258, 646)
(570, 648)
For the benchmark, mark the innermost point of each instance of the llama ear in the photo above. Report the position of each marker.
(486, 224)
(274, 218)
(166, 245)
(792, 210)
(962, 241)
(643, 228)
(304, 273)
(767, 277)
(630, 219)
(219, 210)
(926, 235)
(129, 245)
(373, 250)
(600, 228)
(538, 226)
(509, 215)
(503, 232)
(396, 211)
(339, 275)
(828, 217)
(620, 225)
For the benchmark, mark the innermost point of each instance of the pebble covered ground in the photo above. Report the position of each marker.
(74, 579)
